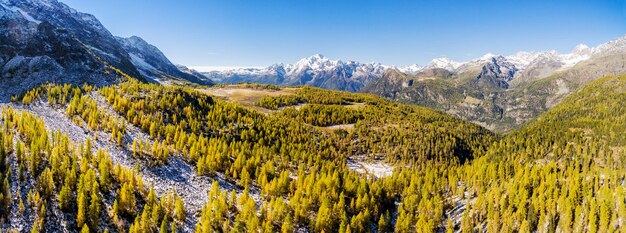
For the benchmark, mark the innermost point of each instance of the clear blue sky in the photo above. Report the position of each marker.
(400, 32)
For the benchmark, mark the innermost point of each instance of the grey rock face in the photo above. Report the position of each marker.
(45, 41)
(153, 64)
(41, 44)
(83, 27)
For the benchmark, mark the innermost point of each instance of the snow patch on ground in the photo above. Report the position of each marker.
(138, 61)
(378, 169)
(459, 205)
(28, 17)
(22, 12)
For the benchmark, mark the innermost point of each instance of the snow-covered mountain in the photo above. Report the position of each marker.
(411, 69)
(616, 46)
(316, 70)
(320, 71)
(443, 63)
(47, 41)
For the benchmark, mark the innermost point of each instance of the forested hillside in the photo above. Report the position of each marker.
(564, 171)
(291, 162)
(47, 180)
(312, 161)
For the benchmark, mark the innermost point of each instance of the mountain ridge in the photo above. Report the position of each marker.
(47, 41)
(153, 64)
(320, 71)
(496, 94)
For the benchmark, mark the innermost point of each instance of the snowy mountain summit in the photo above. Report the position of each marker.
(443, 63)
(320, 71)
(316, 70)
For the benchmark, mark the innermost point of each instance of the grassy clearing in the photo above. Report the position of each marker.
(246, 95)
(347, 127)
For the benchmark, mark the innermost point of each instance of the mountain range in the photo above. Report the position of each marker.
(499, 92)
(317, 70)
(320, 71)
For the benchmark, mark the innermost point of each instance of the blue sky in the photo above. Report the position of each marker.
(395, 32)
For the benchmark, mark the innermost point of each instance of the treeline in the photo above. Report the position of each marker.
(276, 102)
(322, 115)
(314, 95)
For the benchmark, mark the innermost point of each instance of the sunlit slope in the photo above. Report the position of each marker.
(561, 172)
(309, 146)
(594, 117)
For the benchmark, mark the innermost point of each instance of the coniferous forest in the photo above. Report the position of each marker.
(290, 170)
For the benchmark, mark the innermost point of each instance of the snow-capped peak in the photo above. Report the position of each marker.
(315, 62)
(410, 69)
(581, 52)
(522, 59)
(487, 57)
(581, 49)
(318, 56)
(39, 3)
(615, 46)
(444, 63)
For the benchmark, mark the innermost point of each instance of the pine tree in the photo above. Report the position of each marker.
(179, 210)
(163, 228)
(135, 148)
(95, 206)
(383, 226)
(21, 207)
(323, 221)
(65, 196)
(449, 226)
(245, 178)
(115, 210)
(287, 225)
(81, 217)
(525, 227)
(173, 227)
(35, 228)
(85, 229)
(6, 193)
(104, 168)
